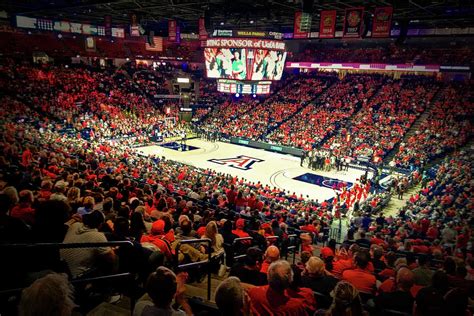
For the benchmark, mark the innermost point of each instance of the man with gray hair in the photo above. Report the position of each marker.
(231, 298)
(277, 298)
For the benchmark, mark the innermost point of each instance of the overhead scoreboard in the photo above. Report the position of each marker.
(241, 87)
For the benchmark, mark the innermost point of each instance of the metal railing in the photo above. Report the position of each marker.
(27, 247)
(293, 247)
(239, 240)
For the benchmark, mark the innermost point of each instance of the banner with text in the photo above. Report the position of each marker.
(134, 27)
(327, 25)
(302, 25)
(108, 25)
(245, 43)
(172, 31)
(202, 29)
(353, 22)
(382, 22)
(154, 44)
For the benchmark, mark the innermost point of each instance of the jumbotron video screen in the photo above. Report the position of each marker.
(243, 63)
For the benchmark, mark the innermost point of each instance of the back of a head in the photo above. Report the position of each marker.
(405, 279)
(315, 266)
(272, 253)
(362, 259)
(161, 286)
(280, 275)
(254, 255)
(346, 300)
(93, 219)
(50, 295)
(439, 281)
(230, 297)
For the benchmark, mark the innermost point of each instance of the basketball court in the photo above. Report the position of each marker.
(276, 170)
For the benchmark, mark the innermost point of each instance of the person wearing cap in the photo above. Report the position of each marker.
(239, 231)
(272, 254)
(156, 238)
(82, 260)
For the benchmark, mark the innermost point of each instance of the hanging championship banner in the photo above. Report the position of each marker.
(353, 22)
(327, 25)
(134, 29)
(382, 22)
(302, 25)
(172, 30)
(108, 25)
(202, 30)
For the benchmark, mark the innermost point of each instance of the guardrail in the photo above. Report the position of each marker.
(58, 246)
(237, 240)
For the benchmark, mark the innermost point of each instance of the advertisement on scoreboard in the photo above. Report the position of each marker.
(267, 64)
(244, 63)
(225, 63)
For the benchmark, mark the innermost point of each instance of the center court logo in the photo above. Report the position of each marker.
(240, 162)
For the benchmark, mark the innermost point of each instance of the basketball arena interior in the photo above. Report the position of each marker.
(236, 157)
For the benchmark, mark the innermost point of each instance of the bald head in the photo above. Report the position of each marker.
(405, 279)
(272, 254)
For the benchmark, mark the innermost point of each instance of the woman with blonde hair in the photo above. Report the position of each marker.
(346, 301)
(217, 241)
(73, 197)
(217, 248)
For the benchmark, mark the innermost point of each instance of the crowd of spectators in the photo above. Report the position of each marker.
(381, 123)
(319, 119)
(447, 127)
(252, 118)
(61, 187)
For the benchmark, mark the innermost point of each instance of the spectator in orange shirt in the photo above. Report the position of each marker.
(363, 280)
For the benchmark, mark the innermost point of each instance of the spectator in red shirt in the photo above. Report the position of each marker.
(276, 298)
(231, 195)
(23, 210)
(363, 280)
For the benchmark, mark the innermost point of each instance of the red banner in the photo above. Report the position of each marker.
(327, 25)
(172, 30)
(353, 22)
(134, 29)
(155, 44)
(382, 22)
(202, 30)
(302, 25)
(108, 25)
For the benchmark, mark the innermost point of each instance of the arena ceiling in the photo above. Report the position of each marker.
(276, 15)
